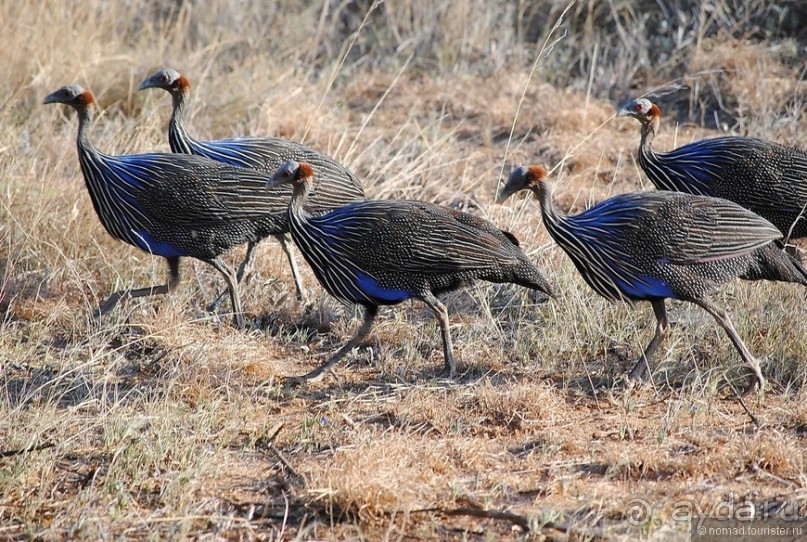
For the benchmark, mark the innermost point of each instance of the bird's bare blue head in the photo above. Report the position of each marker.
(167, 79)
(522, 178)
(73, 95)
(642, 110)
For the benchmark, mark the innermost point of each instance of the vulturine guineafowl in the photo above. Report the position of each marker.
(174, 205)
(765, 177)
(653, 246)
(383, 252)
(337, 187)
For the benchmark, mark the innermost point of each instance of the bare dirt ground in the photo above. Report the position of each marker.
(161, 421)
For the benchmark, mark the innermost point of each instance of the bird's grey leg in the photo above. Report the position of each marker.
(370, 313)
(441, 313)
(232, 284)
(723, 319)
(115, 297)
(249, 259)
(286, 244)
(642, 368)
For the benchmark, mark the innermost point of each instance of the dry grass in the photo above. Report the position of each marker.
(161, 421)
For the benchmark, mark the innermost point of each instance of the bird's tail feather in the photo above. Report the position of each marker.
(772, 262)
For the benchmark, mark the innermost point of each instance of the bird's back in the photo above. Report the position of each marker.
(647, 245)
(387, 251)
(765, 177)
(336, 186)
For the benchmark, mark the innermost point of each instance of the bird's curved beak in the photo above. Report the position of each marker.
(272, 181)
(51, 99)
(626, 111)
(146, 83)
(504, 192)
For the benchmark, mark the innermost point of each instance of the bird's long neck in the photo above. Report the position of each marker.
(178, 136)
(649, 130)
(299, 196)
(85, 115)
(93, 164)
(88, 155)
(551, 216)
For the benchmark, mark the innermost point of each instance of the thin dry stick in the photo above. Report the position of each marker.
(268, 442)
(378, 104)
(739, 397)
(543, 53)
(338, 67)
(591, 78)
(33, 448)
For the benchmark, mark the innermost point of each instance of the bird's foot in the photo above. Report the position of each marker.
(449, 369)
(796, 252)
(755, 385)
(446, 374)
(313, 376)
(110, 303)
(640, 372)
(239, 321)
(214, 306)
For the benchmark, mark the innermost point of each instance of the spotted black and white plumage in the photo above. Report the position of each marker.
(765, 177)
(652, 246)
(174, 205)
(337, 186)
(260, 153)
(383, 252)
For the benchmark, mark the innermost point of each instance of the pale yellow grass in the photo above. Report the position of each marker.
(161, 421)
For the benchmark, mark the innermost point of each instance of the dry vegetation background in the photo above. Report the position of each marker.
(161, 420)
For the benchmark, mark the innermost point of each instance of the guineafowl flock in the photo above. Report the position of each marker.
(724, 208)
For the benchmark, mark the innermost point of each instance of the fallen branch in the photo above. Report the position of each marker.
(35, 448)
(268, 443)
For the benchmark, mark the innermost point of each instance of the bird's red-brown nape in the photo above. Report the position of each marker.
(655, 111)
(535, 174)
(182, 84)
(86, 98)
(304, 171)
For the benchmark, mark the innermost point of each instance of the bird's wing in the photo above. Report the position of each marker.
(412, 237)
(185, 189)
(269, 153)
(766, 177)
(786, 189)
(483, 225)
(697, 229)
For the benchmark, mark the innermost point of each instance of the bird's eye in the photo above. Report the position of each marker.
(164, 78)
(638, 107)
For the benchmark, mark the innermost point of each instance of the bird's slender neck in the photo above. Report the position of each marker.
(649, 130)
(178, 132)
(180, 99)
(85, 116)
(91, 161)
(299, 197)
(550, 213)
